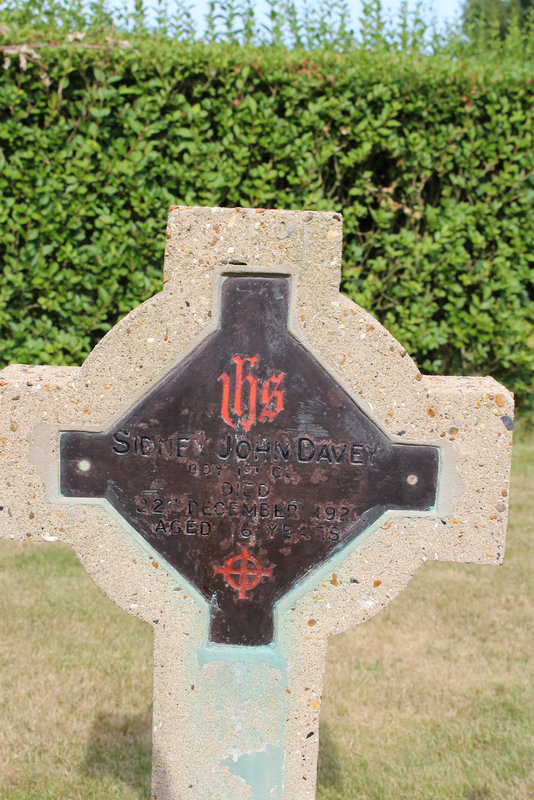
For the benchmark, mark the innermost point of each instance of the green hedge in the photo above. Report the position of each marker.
(429, 159)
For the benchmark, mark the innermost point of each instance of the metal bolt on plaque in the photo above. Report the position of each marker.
(248, 436)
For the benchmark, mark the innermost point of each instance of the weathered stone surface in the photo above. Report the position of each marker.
(262, 701)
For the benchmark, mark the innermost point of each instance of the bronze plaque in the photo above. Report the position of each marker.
(247, 466)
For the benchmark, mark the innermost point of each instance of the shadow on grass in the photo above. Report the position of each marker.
(329, 770)
(120, 747)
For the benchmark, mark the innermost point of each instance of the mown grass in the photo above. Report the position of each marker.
(432, 699)
(75, 683)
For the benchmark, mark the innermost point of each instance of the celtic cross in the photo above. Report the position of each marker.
(250, 463)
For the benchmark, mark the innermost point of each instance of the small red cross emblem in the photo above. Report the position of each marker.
(247, 570)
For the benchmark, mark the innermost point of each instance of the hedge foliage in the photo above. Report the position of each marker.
(429, 158)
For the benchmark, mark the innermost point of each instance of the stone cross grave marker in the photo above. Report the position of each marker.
(250, 463)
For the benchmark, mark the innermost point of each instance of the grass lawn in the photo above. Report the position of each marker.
(432, 699)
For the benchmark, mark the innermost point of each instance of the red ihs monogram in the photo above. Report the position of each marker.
(271, 400)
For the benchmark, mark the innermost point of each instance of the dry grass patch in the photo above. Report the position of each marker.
(75, 683)
(432, 699)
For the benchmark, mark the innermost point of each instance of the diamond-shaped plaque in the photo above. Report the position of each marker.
(248, 466)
